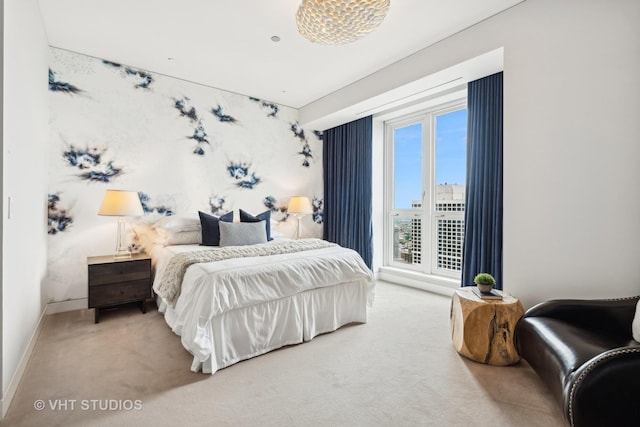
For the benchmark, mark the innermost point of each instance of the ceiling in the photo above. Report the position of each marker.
(227, 43)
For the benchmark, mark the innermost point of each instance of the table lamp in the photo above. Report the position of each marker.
(299, 206)
(121, 203)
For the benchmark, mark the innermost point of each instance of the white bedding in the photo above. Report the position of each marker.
(234, 309)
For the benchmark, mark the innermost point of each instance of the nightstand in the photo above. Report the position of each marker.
(482, 330)
(118, 281)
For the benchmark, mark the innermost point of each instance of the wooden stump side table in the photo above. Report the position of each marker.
(482, 330)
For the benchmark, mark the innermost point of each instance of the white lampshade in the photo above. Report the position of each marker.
(121, 203)
(300, 205)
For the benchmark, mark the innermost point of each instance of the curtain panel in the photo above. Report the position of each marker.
(347, 159)
(482, 251)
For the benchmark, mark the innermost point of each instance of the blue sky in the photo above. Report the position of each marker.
(451, 137)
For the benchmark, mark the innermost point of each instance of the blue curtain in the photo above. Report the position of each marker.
(347, 159)
(482, 252)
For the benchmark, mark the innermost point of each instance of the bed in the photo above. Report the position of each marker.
(233, 303)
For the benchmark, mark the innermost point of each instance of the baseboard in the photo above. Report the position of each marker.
(22, 365)
(68, 305)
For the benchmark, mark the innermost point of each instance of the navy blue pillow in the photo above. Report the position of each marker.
(211, 229)
(264, 216)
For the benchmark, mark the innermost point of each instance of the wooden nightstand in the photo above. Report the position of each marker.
(482, 330)
(118, 281)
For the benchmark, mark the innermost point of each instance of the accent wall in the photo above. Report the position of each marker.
(182, 146)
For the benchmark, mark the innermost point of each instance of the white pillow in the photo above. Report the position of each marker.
(242, 233)
(167, 238)
(635, 325)
(178, 223)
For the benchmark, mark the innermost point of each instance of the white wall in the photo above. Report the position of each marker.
(572, 204)
(24, 177)
(571, 132)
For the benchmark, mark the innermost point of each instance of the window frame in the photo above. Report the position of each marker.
(427, 213)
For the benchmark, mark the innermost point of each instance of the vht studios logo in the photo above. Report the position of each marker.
(88, 405)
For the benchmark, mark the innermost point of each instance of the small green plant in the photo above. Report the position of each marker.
(484, 279)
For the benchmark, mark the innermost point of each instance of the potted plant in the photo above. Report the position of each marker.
(485, 282)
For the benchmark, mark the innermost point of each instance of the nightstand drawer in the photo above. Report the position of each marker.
(100, 274)
(118, 294)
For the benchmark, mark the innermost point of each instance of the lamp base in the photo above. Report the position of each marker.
(299, 227)
(122, 252)
(122, 255)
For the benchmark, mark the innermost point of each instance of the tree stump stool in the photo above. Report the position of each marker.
(482, 330)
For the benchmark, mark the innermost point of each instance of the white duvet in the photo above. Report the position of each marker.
(214, 288)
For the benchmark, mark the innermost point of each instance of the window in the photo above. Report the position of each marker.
(425, 174)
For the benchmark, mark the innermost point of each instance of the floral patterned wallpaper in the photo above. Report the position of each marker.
(184, 147)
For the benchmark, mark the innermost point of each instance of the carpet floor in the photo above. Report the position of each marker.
(399, 369)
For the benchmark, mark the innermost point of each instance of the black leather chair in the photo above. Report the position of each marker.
(585, 353)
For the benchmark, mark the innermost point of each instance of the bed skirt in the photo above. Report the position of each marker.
(247, 332)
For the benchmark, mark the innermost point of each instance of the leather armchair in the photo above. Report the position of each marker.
(584, 351)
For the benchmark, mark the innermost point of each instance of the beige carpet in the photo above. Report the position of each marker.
(399, 369)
